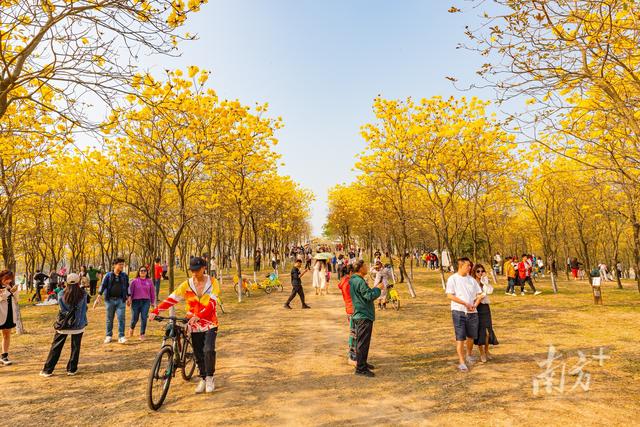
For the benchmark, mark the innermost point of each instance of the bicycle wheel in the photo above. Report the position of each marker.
(160, 378)
(396, 303)
(188, 360)
(268, 289)
(235, 288)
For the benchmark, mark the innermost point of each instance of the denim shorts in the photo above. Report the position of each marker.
(465, 325)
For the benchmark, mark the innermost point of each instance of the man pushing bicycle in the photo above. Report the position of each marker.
(201, 306)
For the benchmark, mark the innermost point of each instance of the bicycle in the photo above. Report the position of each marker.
(246, 285)
(270, 283)
(393, 297)
(170, 358)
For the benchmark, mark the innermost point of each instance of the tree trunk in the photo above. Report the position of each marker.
(636, 249)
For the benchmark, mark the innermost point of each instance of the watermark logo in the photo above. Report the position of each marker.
(553, 379)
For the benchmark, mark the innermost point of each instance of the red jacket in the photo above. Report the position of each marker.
(523, 270)
(346, 294)
(157, 271)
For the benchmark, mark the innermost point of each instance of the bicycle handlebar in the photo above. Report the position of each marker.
(177, 319)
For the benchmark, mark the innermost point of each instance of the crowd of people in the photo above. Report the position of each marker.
(468, 289)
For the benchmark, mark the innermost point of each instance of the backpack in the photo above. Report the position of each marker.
(65, 319)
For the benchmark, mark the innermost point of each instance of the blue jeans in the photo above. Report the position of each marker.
(156, 284)
(115, 306)
(140, 309)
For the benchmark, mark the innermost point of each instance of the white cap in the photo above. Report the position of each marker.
(73, 278)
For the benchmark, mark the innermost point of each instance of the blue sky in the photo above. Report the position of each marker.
(319, 65)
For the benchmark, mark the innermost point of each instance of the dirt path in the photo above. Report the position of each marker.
(288, 367)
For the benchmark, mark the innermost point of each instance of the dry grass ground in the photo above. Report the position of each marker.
(279, 367)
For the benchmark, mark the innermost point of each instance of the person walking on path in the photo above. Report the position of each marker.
(486, 335)
(40, 278)
(72, 320)
(362, 297)
(201, 307)
(142, 296)
(344, 287)
(296, 283)
(320, 276)
(157, 276)
(165, 270)
(465, 295)
(574, 265)
(510, 272)
(9, 312)
(115, 288)
(524, 275)
(93, 279)
(257, 260)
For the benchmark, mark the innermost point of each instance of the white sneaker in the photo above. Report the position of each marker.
(122, 340)
(522, 293)
(513, 294)
(201, 386)
(45, 374)
(470, 360)
(107, 340)
(537, 293)
(463, 368)
(210, 384)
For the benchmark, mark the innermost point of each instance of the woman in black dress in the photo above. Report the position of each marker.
(9, 312)
(486, 336)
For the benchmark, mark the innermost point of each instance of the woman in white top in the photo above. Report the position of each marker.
(316, 276)
(322, 273)
(486, 335)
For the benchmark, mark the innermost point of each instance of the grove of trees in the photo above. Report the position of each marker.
(558, 177)
(177, 171)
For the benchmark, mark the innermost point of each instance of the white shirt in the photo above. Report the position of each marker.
(486, 288)
(464, 287)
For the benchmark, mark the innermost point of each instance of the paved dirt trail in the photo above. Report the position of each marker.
(275, 367)
(288, 367)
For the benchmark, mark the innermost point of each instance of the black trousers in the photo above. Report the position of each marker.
(56, 348)
(364, 329)
(297, 290)
(36, 295)
(92, 287)
(526, 280)
(204, 349)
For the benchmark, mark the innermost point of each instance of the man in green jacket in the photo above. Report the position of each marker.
(362, 297)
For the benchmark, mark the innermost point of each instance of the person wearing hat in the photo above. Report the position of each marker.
(201, 307)
(115, 287)
(72, 320)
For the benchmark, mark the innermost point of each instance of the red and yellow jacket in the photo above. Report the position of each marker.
(204, 307)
